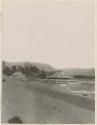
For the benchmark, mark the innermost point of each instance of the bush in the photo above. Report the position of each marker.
(43, 75)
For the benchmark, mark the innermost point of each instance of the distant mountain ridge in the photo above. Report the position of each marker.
(79, 71)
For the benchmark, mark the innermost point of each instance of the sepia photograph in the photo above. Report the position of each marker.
(48, 66)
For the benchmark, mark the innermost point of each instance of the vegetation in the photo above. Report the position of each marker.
(13, 69)
(7, 71)
(43, 75)
(28, 70)
(84, 77)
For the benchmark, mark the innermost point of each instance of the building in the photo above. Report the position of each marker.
(18, 74)
(60, 75)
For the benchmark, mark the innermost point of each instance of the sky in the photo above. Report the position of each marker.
(57, 33)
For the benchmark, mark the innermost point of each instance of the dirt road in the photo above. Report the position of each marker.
(43, 104)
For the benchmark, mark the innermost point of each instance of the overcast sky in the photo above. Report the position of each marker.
(58, 33)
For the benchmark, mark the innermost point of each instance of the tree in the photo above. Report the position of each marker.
(43, 75)
(7, 71)
(31, 70)
(13, 68)
(34, 69)
(26, 70)
(21, 69)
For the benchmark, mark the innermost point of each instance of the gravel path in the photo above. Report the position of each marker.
(40, 103)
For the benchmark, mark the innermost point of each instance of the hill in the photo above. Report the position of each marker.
(78, 71)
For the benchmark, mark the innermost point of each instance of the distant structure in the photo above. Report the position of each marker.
(60, 75)
(60, 78)
(19, 74)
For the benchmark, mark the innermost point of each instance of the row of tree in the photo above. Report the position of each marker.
(84, 77)
(27, 70)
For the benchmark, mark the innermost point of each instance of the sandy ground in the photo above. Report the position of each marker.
(37, 102)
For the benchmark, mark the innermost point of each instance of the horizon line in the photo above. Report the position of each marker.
(92, 67)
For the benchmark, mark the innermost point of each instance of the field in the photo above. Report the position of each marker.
(44, 103)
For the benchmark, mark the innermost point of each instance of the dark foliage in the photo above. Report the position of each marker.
(31, 70)
(7, 71)
(27, 69)
(21, 69)
(84, 77)
(13, 69)
(43, 75)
